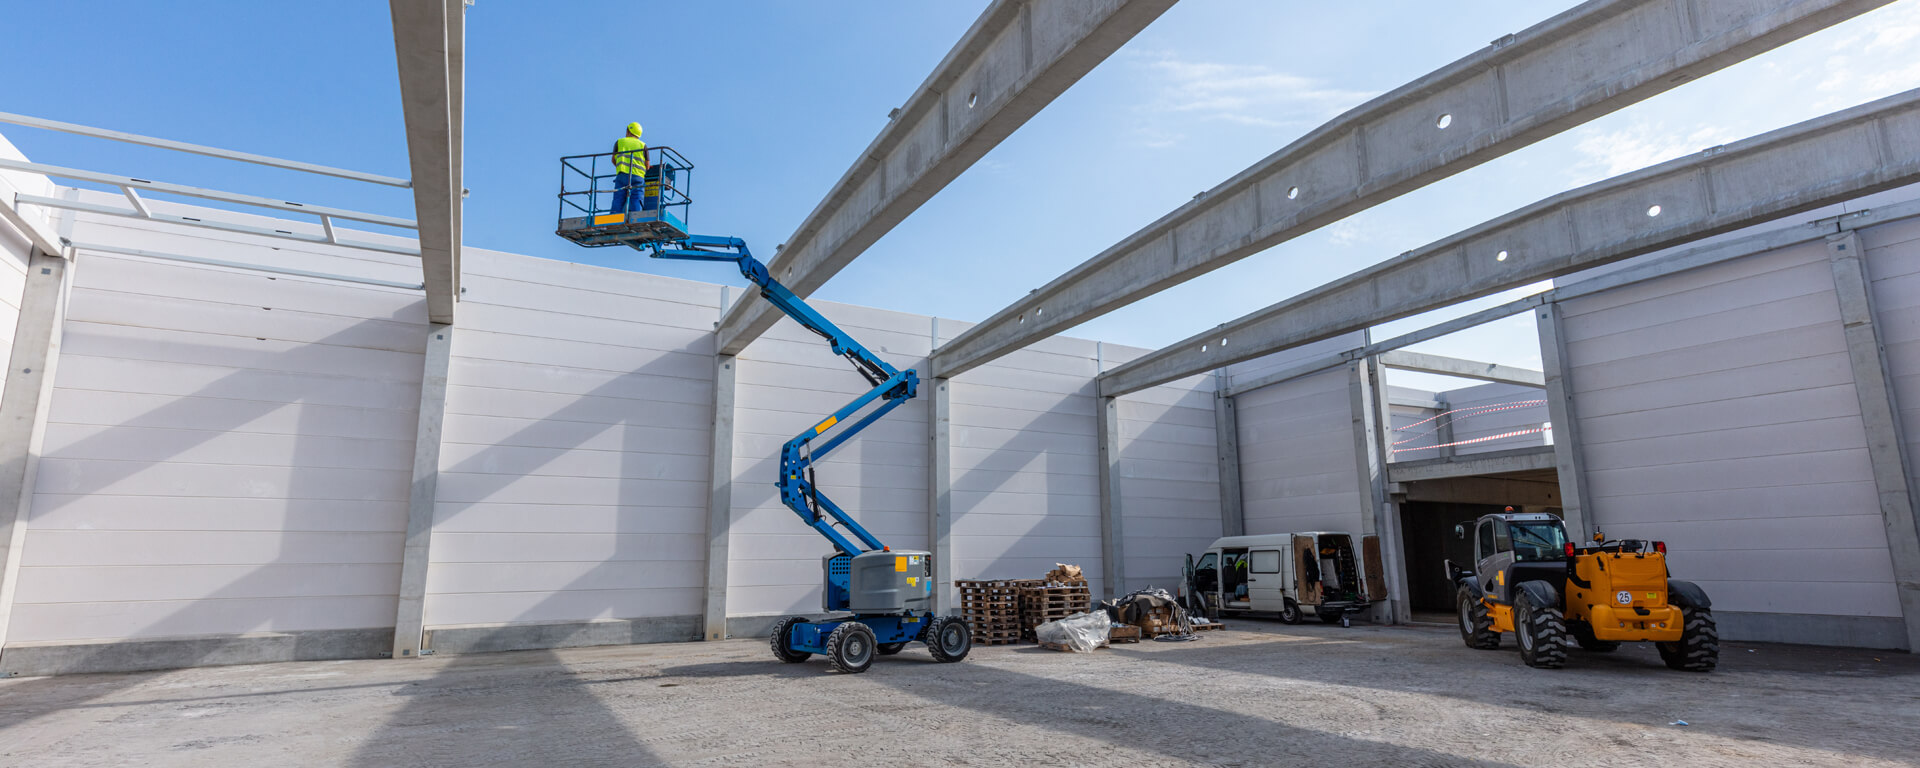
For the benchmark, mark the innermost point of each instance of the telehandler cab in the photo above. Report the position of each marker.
(1529, 579)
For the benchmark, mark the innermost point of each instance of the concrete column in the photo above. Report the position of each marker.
(23, 409)
(1572, 467)
(1880, 414)
(1112, 538)
(1443, 428)
(1226, 437)
(1373, 475)
(1369, 405)
(410, 622)
(720, 498)
(940, 492)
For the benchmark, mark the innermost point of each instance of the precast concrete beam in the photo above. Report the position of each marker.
(409, 628)
(1464, 369)
(1828, 160)
(1880, 417)
(1572, 68)
(28, 392)
(1472, 464)
(1017, 58)
(429, 42)
(720, 498)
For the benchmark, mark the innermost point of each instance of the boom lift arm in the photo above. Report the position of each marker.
(891, 387)
(888, 592)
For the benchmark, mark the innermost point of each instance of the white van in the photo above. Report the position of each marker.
(1292, 574)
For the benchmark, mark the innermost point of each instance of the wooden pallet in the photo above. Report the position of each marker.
(992, 609)
(1127, 634)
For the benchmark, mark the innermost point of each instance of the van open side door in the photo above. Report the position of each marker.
(1373, 581)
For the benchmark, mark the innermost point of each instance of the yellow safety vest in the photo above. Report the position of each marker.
(635, 163)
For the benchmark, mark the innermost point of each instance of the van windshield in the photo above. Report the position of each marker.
(1540, 540)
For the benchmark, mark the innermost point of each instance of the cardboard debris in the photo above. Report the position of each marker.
(1063, 573)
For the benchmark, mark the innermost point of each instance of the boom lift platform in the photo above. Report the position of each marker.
(887, 593)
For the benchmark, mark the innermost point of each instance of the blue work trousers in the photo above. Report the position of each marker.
(627, 191)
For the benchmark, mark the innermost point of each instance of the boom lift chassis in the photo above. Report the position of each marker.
(887, 593)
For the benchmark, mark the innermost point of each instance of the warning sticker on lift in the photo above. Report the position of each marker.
(900, 563)
(913, 581)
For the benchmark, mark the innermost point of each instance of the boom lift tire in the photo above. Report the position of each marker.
(1476, 627)
(1330, 617)
(1541, 630)
(850, 648)
(1699, 646)
(782, 634)
(1290, 612)
(1583, 634)
(949, 639)
(889, 649)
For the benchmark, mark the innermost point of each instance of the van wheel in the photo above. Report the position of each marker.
(1290, 612)
(1476, 627)
(1541, 632)
(1699, 646)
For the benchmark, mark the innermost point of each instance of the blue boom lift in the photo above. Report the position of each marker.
(887, 593)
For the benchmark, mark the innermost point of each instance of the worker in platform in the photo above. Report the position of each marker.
(630, 166)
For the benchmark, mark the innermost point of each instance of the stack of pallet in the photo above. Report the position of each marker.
(992, 609)
(1048, 601)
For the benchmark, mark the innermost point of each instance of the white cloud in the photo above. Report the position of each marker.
(1641, 144)
(1253, 95)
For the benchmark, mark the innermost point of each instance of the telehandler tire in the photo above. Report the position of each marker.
(1476, 628)
(1541, 631)
(1699, 646)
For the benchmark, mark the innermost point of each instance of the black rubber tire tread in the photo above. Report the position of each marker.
(1481, 635)
(1544, 628)
(781, 650)
(1699, 646)
(941, 653)
(1332, 617)
(1583, 634)
(889, 649)
(1290, 612)
(842, 639)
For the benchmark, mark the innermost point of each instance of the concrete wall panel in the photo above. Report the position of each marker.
(1718, 414)
(1297, 465)
(226, 452)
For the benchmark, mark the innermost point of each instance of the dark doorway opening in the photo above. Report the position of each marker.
(1427, 528)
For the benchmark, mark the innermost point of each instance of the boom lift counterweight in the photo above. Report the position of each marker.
(889, 593)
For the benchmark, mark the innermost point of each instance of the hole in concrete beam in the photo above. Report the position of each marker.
(1203, 347)
(1293, 192)
(1444, 121)
(1022, 319)
(972, 99)
(1501, 256)
(1654, 211)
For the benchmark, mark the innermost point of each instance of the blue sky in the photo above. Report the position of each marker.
(773, 100)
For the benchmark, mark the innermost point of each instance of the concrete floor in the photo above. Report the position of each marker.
(1258, 694)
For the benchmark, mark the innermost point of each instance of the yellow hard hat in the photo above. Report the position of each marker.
(633, 128)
